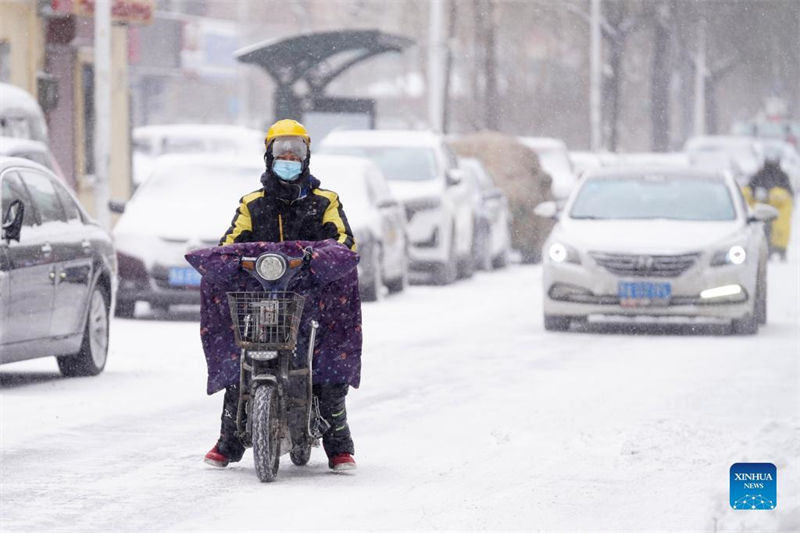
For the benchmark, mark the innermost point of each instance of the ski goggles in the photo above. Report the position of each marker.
(290, 145)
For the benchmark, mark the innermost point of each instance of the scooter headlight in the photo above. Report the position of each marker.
(270, 266)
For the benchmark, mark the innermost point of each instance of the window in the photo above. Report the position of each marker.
(71, 209)
(12, 189)
(654, 197)
(406, 163)
(44, 196)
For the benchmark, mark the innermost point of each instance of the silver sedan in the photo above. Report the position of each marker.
(639, 242)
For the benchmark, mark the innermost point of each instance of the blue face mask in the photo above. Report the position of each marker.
(287, 170)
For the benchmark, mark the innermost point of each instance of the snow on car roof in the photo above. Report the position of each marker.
(214, 160)
(542, 142)
(13, 161)
(719, 140)
(634, 171)
(194, 130)
(381, 138)
(14, 97)
(14, 144)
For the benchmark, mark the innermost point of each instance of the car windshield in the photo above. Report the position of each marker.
(654, 197)
(402, 163)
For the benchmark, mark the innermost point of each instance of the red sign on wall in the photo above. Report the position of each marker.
(122, 11)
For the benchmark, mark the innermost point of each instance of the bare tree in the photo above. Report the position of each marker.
(661, 16)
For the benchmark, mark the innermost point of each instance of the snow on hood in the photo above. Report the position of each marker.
(193, 222)
(646, 236)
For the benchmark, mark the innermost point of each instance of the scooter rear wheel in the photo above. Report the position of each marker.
(300, 455)
(266, 432)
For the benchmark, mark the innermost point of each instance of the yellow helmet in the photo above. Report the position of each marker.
(286, 128)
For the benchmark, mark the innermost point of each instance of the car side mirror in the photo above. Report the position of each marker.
(546, 210)
(454, 176)
(12, 221)
(116, 206)
(762, 213)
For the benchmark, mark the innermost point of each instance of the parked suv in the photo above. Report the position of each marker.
(57, 273)
(423, 174)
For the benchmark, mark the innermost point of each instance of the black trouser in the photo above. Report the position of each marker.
(331, 407)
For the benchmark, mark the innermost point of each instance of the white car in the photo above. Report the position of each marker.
(554, 158)
(656, 242)
(377, 219)
(186, 204)
(151, 142)
(423, 174)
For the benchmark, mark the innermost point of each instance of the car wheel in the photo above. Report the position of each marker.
(483, 255)
(501, 260)
(160, 308)
(761, 299)
(125, 308)
(556, 323)
(745, 326)
(91, 359)
(400, 283)
(466, 267)
(447, 272)
(372, 291)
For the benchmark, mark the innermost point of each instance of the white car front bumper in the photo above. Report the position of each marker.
(592, 289)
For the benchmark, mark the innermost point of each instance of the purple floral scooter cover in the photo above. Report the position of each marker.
(332, 299)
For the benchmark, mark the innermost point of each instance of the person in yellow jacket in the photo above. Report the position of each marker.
(290, 206)
(771, 185)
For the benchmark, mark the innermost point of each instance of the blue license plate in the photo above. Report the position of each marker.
(184, 277)
(642, 293)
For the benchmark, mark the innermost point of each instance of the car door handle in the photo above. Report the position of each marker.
(47, 249)
(87, 247)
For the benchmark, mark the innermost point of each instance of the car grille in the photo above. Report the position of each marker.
(661, 266)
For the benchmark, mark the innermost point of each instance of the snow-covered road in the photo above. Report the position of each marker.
(470, 417)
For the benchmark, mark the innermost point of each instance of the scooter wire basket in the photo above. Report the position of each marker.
(266, 320)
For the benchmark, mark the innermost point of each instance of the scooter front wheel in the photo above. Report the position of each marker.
(266, 431)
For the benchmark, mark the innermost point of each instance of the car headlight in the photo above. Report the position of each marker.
(563, 253)
(735, 255)
(270, 266)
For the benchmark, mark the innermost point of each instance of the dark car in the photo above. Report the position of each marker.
(492, 224)
(57, 273)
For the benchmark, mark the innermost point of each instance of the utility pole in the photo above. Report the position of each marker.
(435, 65)
(700, 80)
(243, 87)
(102, 110)
(595, 84)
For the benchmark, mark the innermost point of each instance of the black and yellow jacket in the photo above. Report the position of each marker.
(287, 212)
